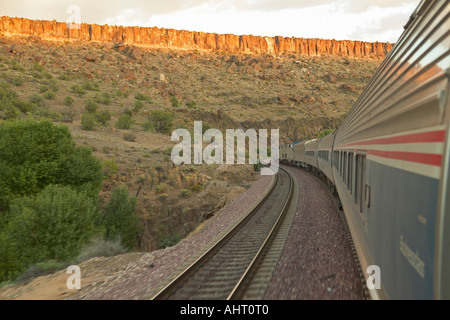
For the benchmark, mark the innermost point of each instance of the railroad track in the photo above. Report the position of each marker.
(227, 268)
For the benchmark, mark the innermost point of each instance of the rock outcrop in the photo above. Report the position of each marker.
(181, 39)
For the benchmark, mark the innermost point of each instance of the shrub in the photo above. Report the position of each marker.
(102, 117)
(90, 85)
(77, 89)
(138, 104)
(174, 101)
(43, 88)
(124, 122)
(49, 95)
(11, 112)
(191, 104)
(161, 121)
(54, 224)
(120, 219)
(129, 136)
(67, 116)
(90, 105)
(65, 77)
(24, 106)
(17, 81)
(68, 101)
(36, 99)
(38, 67)
(88, 121)
(53, 85)
(104, 98)
(143, 97)
(184, 193)
(36, 75)
(160, 189)
(110, 168)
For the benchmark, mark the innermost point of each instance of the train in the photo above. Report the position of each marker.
(389, 163)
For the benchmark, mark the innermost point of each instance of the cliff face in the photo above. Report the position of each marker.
(181, 39)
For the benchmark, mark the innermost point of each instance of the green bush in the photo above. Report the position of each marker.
(138, 104)
(184, 193)
(88, 121)
(110, 168)
(11, 112)
(43, 88)
(68, 101)
(49, 94)
(17, 81)
(120, 219)
(174, 101)
(90, 105)
(124, 122)
(53, 225)
(53, 85)
(65, 77)
(24, 106)
(77, 89)
(102, 117)
(48, 195)
(104, 98)
(160, 189)
(36, 99)
(161, 121)
(90, 85)
(36, 154)
(38, 67)
(191, 104)
(143, 97)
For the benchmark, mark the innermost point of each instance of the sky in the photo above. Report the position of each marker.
(363, 20)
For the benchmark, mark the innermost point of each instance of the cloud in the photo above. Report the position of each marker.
(364, 5)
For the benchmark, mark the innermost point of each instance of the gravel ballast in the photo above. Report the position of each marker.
(317, 261)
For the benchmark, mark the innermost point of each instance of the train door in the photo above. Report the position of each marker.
(362, 191)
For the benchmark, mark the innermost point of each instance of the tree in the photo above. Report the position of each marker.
(52, 225)
(36, 154)
(161, 121)
(120, 219)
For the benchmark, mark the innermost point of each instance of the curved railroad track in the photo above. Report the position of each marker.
(226, 270)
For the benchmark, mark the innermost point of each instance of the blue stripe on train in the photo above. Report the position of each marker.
(401, 202)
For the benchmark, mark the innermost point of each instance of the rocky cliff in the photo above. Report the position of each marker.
(181, 39)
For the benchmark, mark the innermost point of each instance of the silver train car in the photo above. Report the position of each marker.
(390, 162)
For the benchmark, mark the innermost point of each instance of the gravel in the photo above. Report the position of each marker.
(317, 260)
(137, 279)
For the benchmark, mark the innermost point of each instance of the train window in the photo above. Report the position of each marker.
(350, 171)
(345, 167)
(361, 189)
(340, 163)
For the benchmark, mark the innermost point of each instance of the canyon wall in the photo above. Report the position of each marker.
(181, 39)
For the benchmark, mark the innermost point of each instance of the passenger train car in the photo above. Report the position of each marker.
(389, 162)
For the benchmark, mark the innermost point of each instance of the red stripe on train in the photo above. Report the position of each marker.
(432, 136)
(424, 158)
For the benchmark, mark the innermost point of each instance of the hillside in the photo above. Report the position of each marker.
(89, 86)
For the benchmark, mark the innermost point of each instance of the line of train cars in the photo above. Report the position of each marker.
(389, 162)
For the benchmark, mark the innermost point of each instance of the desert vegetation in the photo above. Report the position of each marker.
(85, 145)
